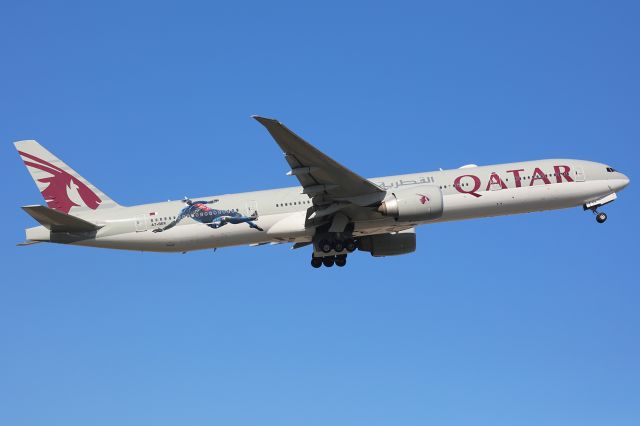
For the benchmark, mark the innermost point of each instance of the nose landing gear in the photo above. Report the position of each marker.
(593, 206)
(600, 216)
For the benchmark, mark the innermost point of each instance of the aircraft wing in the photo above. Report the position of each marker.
(319, 174)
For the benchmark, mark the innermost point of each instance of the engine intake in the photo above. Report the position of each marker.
(418, 203)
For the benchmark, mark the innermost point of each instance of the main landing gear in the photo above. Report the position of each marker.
(338, 246)
(328, 261)
(332, 248)
(331, 252)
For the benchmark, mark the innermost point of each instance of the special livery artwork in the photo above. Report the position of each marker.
(213, 218)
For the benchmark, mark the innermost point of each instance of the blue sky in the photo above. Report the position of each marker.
(526, 320)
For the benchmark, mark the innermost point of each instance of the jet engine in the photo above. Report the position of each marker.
(415, 204)
(392, 244)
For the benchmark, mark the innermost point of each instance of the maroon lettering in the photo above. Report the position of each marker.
(561, 171)
(516, 176)
(495, 179)
(476, 185)
(539, 175)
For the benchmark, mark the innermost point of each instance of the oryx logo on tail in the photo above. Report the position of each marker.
(63, 189)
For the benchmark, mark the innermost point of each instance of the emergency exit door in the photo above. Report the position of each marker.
(141, 223)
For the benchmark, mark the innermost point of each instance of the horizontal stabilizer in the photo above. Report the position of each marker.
(57, 221)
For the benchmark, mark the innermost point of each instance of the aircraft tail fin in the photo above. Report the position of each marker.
(62, 187)
(57, 221)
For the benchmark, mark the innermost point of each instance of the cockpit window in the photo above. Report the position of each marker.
(611, 169)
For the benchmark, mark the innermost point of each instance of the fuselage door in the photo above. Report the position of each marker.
(252, 206)
(141, 223)
(580, 174)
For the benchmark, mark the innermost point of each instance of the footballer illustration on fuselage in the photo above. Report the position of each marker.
(213, 218)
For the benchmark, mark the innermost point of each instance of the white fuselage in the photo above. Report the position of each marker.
(282, 214)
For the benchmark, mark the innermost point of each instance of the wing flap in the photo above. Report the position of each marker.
(28, 243)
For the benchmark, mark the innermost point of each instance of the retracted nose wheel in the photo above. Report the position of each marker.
(601, 217)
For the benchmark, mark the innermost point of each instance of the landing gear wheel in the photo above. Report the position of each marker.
(316, 262)
(350, 245)
(328, 261)
(338, 246)
(601, 217)
(325, 246)
(341, 260)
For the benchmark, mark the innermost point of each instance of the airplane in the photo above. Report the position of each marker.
(334, 210)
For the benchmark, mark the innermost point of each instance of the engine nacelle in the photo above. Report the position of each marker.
(392, 244)
(415, 204)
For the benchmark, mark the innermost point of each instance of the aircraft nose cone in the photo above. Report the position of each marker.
(621, 182)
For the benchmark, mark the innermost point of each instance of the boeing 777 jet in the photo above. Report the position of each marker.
(334, 210)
